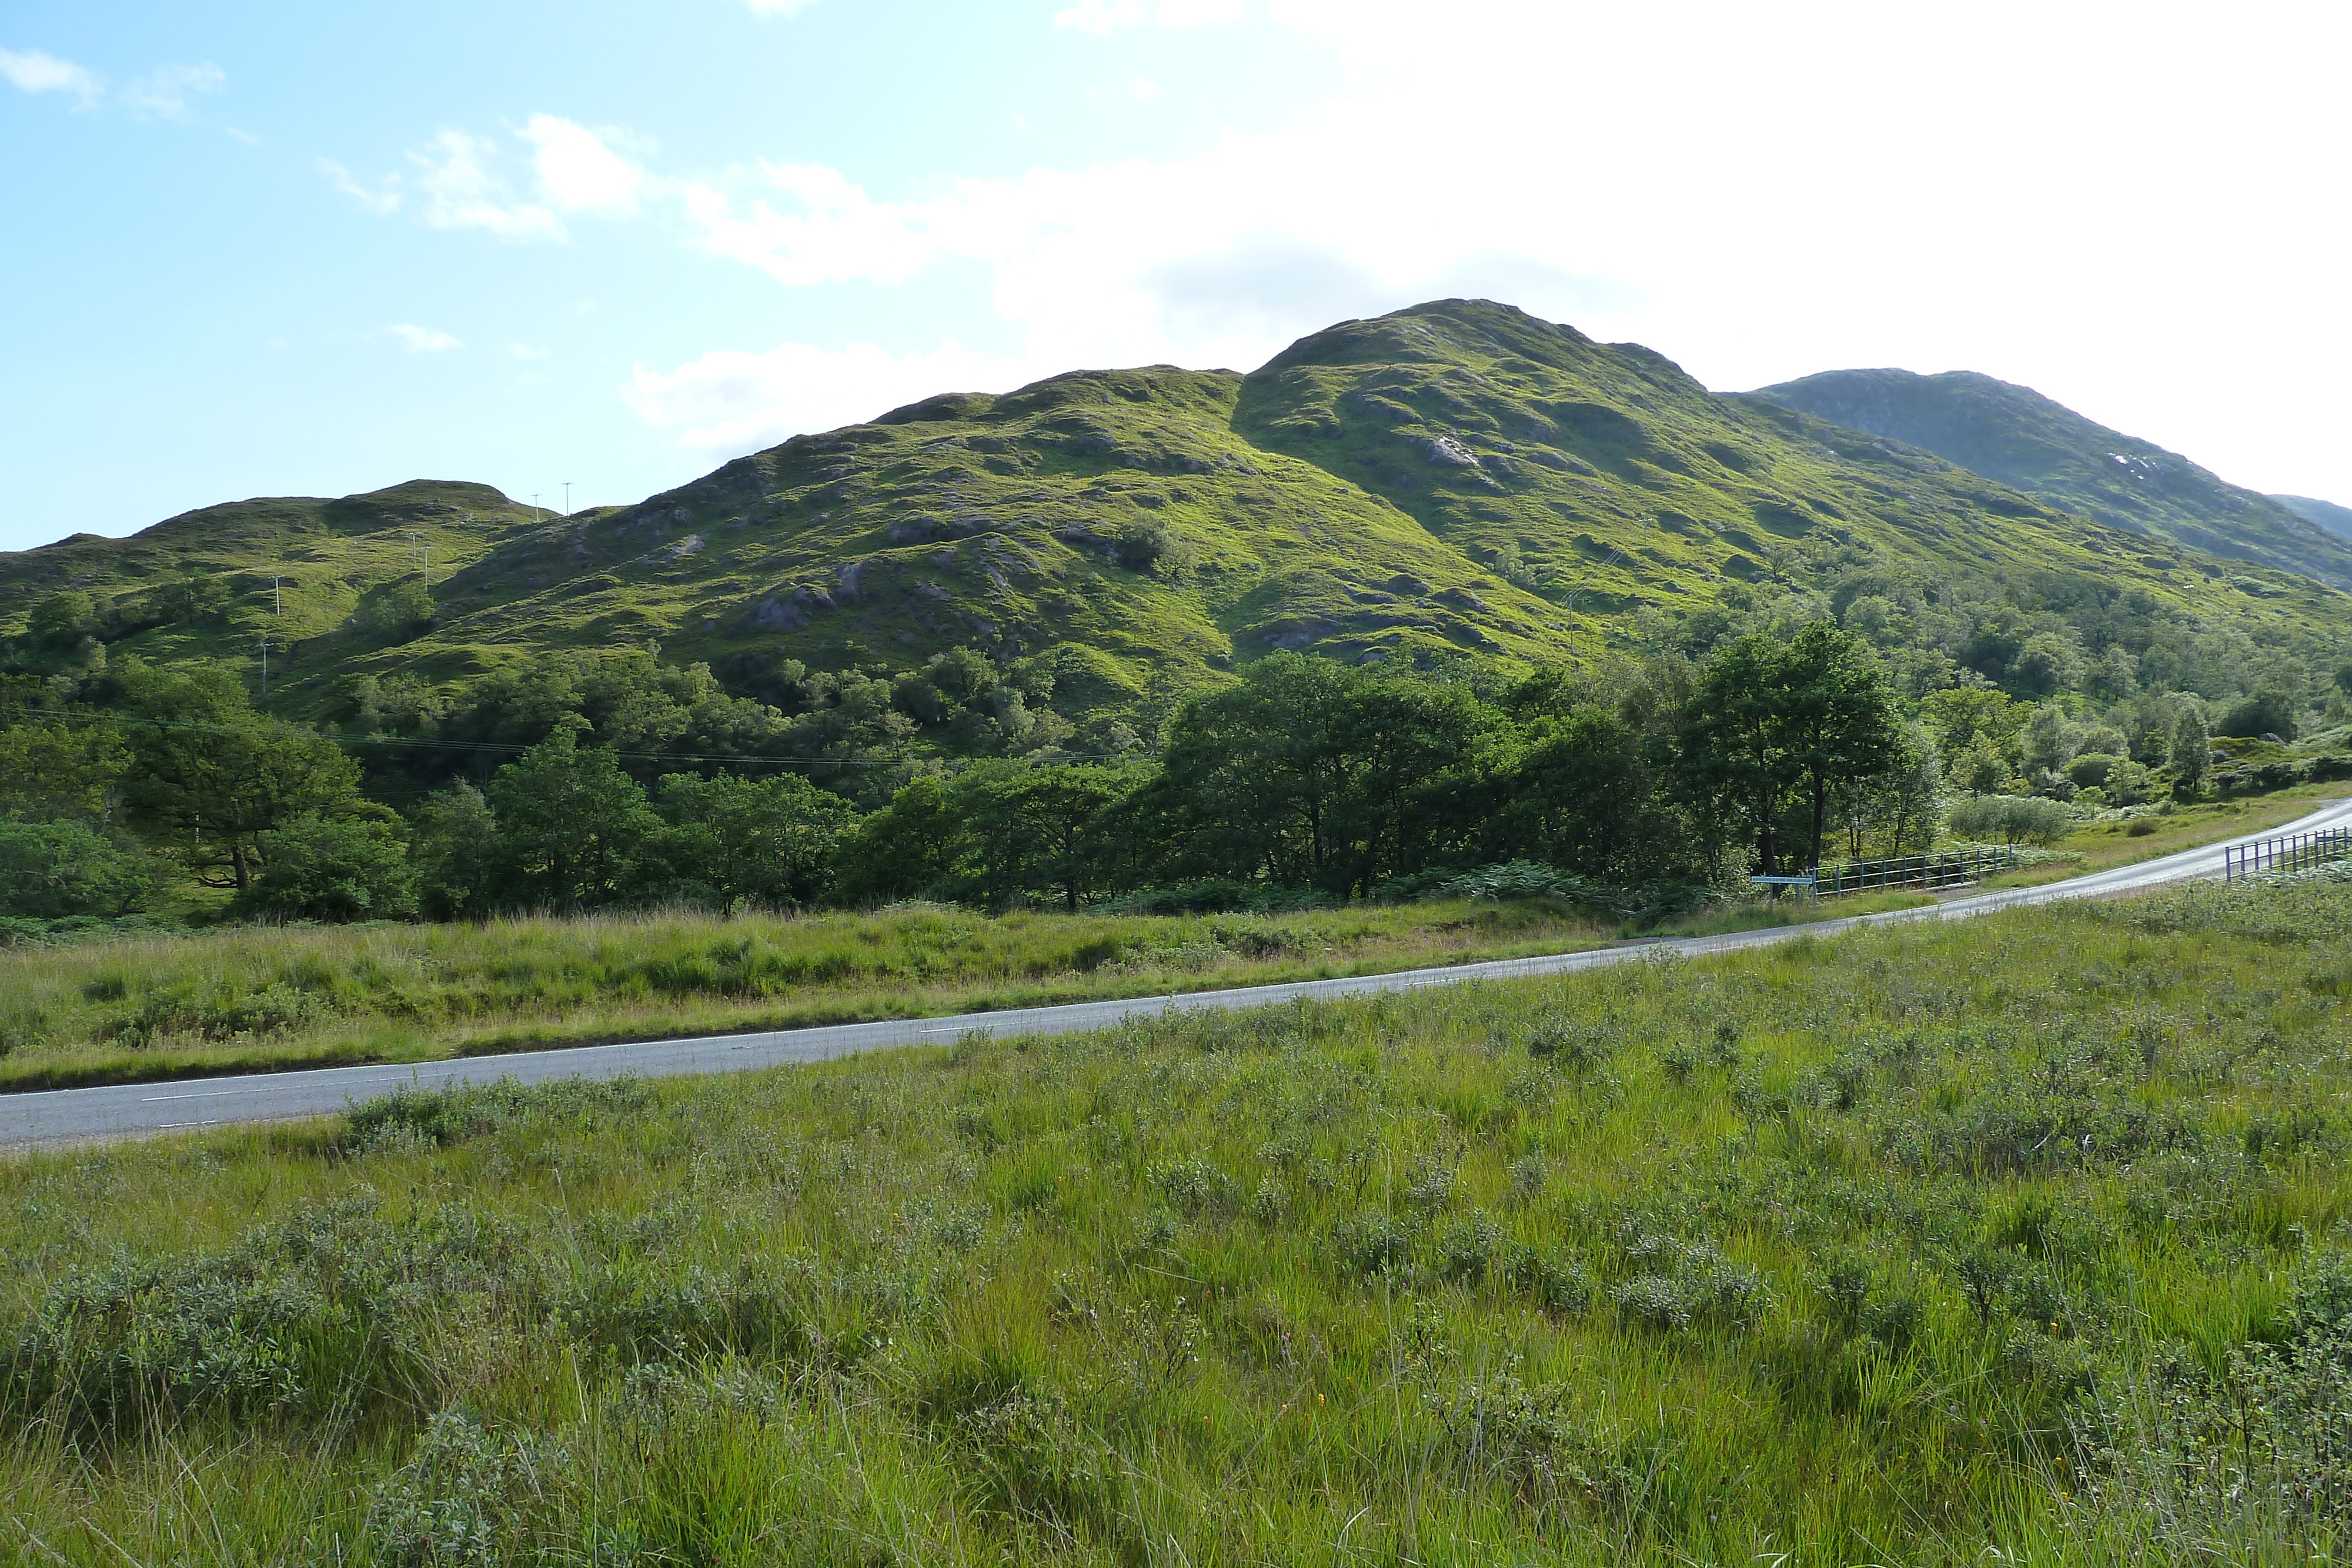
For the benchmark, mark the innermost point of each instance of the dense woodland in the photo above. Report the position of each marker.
(1754, 736)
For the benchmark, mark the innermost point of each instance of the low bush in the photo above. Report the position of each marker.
(2010, 820)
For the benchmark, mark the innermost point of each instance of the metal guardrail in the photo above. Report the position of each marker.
(2291, 852)
(1940, 868)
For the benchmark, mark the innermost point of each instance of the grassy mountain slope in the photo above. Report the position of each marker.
(1603, 471)
(1459, 477)
(2019, 438)
(326, 554)
(2336, 519)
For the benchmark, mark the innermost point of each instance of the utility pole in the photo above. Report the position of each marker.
(567, 498)
(277, 598)
(534, 508)
(264, 669)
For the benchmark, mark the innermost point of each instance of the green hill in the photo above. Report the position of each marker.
(2336, 519)
(1455, 479)
(2019, 438)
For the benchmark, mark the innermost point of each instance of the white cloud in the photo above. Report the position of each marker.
(462, 189)
(164, 91)
(34, 71)
(730, 402)
(424, 339)
(1757, 191)
(838, 233)
(461, 181)
(384, 200)
(579, 171)
(1111, 15)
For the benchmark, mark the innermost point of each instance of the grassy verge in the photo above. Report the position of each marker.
(2022, 1239)
(264, 999)
(2103, 846)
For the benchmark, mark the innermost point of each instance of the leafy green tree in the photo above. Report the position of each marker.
(1578, 790)
(906, 848)
(2129, 783)
(1958, 716)
(767, 842)
(1736, 760)
(2271, 711)
(455, 846)
(52, 870)
(1775, 729)
(2045, 744)
(1897, 812)
(1313, 774)
(210, 776)
(1026, 829)
(70, 764)
(572, 827)
(1844, 724)
(63, 620)
(1984, 769)
(317, 868)
(192, 602)
(2189, 755)
(401, 608)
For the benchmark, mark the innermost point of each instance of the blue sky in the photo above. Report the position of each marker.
(271, 248)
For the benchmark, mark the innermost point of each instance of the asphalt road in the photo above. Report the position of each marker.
(86, 1116)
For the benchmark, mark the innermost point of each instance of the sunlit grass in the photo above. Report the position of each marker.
(258, 998)
(1888, 1247)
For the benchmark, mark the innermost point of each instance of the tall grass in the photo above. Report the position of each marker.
(2026, 1239)
(261, 996)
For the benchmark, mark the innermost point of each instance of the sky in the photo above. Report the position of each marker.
(270, 248)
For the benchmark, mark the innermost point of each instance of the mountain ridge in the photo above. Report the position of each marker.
(2033, 443)
(2327, 515)
(1455, 480)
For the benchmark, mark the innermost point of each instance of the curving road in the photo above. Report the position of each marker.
(84, 1115)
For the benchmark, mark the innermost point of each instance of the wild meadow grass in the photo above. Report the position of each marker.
(254, 998)
(2023, 1240)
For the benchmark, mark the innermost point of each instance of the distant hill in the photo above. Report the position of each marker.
(2336, 519)
(1455, 479)
(2019, 438)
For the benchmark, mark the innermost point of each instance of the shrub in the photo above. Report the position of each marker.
(321, 1312)
(62, 619)
(1684, 1284)
(1192, 1185)
(2012, 820)
(1150, 546)
(436, 1118)
(402, 608)
(2265, 713)
(2090, 770)
(2130, 783)
(51, 871)
(317, 869)
(464, 1496)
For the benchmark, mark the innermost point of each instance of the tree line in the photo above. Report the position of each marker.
(1303, 778)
